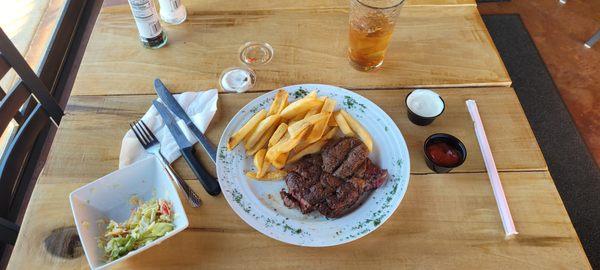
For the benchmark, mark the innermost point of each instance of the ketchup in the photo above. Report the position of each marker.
(443, 154)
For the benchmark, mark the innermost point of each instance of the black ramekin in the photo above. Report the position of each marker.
(421, 120)
(452, 141)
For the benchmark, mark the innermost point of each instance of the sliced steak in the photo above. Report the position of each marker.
(360, 171)
(296, 183)
(355, 158)
(335, 152)
(299, 187)
(359, 184)
(310, 167)
(316, 194)
(346, 196)
(288, 200)
(374, 175)
(334, 182)
(331, 182)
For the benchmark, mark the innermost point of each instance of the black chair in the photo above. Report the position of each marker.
(31, 105)
(35, 104)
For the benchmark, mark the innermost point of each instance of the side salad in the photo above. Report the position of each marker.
(148, 222)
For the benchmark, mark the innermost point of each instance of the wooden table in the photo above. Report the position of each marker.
(444, 221)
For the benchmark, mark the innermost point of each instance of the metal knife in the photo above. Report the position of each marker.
(168, 99)
(209, 183)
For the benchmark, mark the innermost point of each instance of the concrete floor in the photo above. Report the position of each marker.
(559, 32)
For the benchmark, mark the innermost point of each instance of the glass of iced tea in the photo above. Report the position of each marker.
(371, 27)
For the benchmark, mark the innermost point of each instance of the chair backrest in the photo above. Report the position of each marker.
(32, 107)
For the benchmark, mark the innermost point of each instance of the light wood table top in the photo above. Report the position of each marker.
(217, 5)
(433, 45)
(444, 221)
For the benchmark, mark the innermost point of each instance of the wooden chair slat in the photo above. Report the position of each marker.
(16, 156)
(4, 66)
(31, 80)
(9, 106)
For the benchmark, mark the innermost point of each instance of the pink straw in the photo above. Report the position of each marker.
(490, 165)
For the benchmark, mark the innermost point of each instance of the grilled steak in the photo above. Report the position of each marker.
(333, 182)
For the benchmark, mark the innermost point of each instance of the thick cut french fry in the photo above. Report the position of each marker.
(273, 175)
(239, 135)
(330, 133)
(311, 149)
(358, 129)
(264, 169)
(281, 160)
(303, 144)
(259, 158)
(271, 153)
(319, 127)
(262, 143)
(280, 101)
(332, 122)
(278, 134)
(261, 128)
(300, 107)
(295, 128)
(296, 119)
(313, 111)
(287, 145)
(343, 125)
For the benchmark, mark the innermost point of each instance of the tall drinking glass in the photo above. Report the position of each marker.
(371, 27)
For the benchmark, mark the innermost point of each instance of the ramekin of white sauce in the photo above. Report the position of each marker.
(423, 106)
(237, 79)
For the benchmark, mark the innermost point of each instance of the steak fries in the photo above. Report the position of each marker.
(287, 132)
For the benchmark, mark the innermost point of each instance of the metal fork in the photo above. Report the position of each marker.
(152, 146)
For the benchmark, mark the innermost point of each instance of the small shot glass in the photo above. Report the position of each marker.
(255, 53)
(423, 106)
(444, 152)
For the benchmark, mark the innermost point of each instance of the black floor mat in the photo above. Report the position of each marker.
(571, 165)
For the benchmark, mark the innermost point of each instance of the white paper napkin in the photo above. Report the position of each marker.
(200, 106)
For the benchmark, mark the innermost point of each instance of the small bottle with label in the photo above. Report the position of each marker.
(146, 18)
(172, 11)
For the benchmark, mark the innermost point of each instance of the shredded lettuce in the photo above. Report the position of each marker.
(147, 222)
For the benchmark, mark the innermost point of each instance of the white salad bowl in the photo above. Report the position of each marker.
(109, 198)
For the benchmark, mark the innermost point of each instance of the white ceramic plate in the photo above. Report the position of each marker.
(259, 204)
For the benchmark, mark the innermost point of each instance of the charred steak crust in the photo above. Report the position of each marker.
(335, 152)
(334, 182)
(354, 159)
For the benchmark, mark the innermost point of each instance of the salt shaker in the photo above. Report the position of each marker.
(172, 11)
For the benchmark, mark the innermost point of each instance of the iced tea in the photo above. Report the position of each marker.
(371, 29)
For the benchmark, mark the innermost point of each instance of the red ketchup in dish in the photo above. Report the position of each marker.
(443, 154)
